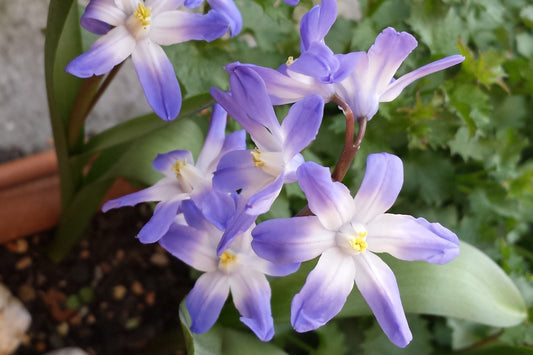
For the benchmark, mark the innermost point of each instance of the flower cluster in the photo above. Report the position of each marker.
(207, 210)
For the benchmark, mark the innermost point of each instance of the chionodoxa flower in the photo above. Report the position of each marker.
(139, 28)
(347, 232)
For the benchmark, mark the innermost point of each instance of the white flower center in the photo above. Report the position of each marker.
(352, 238)
(271, 162)
(228, 261)
(189, 176)
(138, 23)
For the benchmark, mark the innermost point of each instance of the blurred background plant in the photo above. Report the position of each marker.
(464, 136)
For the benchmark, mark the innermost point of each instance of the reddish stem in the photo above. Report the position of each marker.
(351, 146)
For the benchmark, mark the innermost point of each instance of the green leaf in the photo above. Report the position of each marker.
(136, 162)
(471, 287)
(73, 220)
(62, 44)
(438, 26)
(526, 15)
(332, 340)
(500, 350)
(223, 341)
(139, 127)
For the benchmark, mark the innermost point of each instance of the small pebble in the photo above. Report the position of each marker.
(119, 292)
(137, 288)
(23, 263)
(18, 246)
(132, 323)
(26, 293)
(119, 255)
(150, 298)
(159, 259)
(84, 254)
(62, 328)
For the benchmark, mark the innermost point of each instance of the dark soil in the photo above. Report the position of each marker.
(110, 295)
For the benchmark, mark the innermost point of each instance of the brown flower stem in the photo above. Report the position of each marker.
(351, 146)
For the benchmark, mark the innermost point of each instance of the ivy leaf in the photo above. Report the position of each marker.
(331, 340)
(467, 147)
(439, 27)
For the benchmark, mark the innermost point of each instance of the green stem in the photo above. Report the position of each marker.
(88, 95)
(80, 110)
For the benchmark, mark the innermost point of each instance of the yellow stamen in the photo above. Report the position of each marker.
(256, 156)
(289, 61)
(359, 244)
(178, 166)
(143, 14)
(227, 258)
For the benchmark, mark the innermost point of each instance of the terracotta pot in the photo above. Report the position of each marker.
(30, 197)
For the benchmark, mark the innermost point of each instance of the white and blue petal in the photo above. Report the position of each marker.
(160, 191)
(301, 125)
(273, 269)
(238, 224)
(106, 52)
(172, 27)
(376, 282)
(250, 291)
(158, 79)
(230, 11)
(384, 58)
(291, 240)
(161, 220)
(159, 6)
(261, 201)
(165, 162)
(317, 61)
(100, 15)
(381, 185)
(214, 140)
(236, 170)
(192, 246)
(407, 238)
(324, 292)
(396, 87)
(282, 88)
(206, 299)
(248, 89)
(330, 201)
(317, 23)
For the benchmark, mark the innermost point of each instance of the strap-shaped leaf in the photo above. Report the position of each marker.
(471, 287)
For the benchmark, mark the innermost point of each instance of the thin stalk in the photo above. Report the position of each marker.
(89, 94)
(83, 100)
(351, 147)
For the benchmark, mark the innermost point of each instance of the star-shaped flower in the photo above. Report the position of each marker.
(347, 232)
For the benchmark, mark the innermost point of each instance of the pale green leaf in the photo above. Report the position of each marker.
(223, 341)
(376, 342)
(471, 287)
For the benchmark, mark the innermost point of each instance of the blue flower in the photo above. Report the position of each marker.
(138, 28)
(261, 172)
(186, 180)
(238, 270)
(347, 233)
(359, 80)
